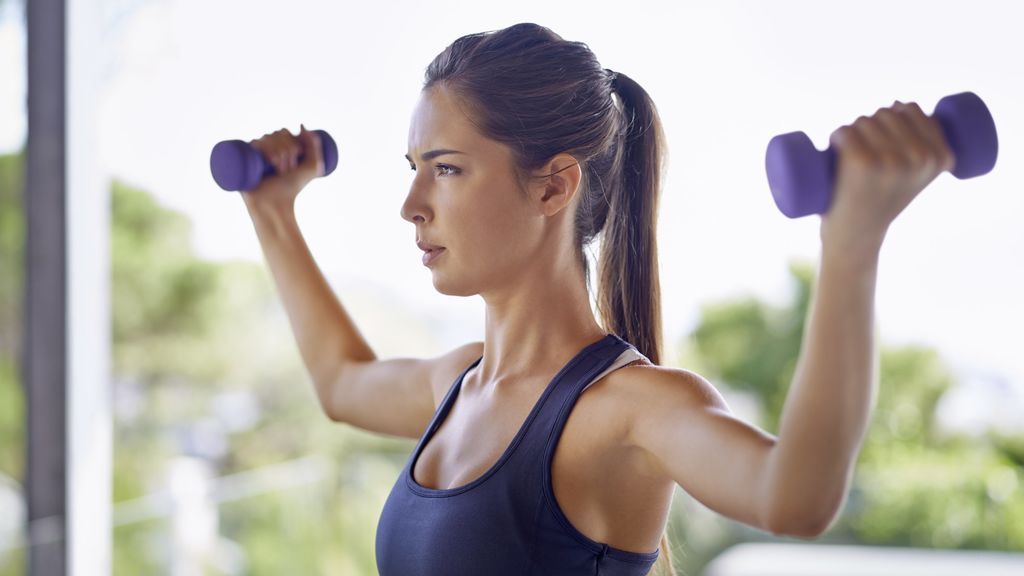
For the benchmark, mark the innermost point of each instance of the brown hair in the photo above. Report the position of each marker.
(541, 95)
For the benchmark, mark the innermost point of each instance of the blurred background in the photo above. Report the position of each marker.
(222, 461)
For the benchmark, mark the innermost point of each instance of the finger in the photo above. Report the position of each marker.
(852, 144)
(884, 148)
(271, 148)
(282, 160)
(931, 133)
(913, 146)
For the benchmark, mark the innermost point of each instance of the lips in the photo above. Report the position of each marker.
(427, 247)
(430, 255)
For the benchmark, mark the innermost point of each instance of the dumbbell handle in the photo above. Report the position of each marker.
(801, 177)
(238, 165)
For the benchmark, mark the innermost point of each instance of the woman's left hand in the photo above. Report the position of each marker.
(883, 163)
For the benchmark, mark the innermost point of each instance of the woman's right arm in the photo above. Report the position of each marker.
(327, 337)
(393, 396)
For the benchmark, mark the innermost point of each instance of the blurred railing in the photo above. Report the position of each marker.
(191, 504)
(769, 559)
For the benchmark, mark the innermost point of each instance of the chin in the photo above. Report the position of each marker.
(449, 289)
(449, 286)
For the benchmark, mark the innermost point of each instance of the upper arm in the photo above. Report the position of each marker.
(686, 429)
(396, 396)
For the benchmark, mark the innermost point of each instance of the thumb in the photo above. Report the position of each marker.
(312, 154)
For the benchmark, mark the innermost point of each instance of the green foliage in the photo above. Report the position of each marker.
(164, 299)
(12, 243)
(961, 496)
(911, 382)
(912, 486)
(12, 259)
(186, 331)
(12, 421)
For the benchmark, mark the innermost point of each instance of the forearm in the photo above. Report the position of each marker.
(325, 334)
(831, 396)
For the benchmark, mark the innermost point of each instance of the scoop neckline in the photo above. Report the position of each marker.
(449, 400)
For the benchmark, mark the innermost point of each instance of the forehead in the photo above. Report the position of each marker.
(439, 121)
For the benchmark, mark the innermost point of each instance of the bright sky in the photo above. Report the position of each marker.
(726, 75)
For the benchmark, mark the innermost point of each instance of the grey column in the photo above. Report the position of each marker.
(45, 352)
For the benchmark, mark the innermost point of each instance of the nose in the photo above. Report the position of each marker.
(414, 208)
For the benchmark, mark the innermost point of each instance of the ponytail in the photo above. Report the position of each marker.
(628, 288)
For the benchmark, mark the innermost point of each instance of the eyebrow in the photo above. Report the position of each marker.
(430, 155)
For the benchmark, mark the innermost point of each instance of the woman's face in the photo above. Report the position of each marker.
(464, 196)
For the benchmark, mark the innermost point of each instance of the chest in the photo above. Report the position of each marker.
(603, 486)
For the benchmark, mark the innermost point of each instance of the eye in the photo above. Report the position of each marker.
(446, 170)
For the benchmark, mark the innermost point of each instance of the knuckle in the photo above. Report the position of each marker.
(918, 157)
(888, 160)
(862, 156)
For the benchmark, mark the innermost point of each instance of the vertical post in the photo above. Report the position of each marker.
(45, 352)
(67, 311)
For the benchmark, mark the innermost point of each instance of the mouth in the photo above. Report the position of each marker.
(430, 255)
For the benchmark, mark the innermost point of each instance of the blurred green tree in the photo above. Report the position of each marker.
(12, 265)
(190, 337)
(914, 485)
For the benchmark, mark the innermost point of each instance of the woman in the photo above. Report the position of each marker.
(524, 151)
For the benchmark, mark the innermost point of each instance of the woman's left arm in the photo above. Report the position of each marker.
(884, 162)
(795, 483)
(830, 398)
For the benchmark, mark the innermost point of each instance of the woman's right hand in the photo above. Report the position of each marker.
(282, 149)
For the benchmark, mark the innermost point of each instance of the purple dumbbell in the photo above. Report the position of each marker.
(237, 165)
(801, 177)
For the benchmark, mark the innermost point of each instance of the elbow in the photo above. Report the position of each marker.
(804, 512)
(327, 383)
(328, 405)
(807, 524)
(331, 416)
(808, 529)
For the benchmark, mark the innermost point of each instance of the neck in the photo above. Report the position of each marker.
(535, 327)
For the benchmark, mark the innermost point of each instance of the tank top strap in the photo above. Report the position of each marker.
(563, 391)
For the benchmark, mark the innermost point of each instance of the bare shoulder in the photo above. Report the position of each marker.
(641, 385)
(451, 365)
(643, 392)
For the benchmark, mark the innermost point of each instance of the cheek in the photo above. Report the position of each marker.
(505, 226)
(494, 226)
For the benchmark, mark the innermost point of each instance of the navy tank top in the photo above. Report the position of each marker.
(506, 522)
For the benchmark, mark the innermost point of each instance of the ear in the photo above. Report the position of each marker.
(555, 184)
